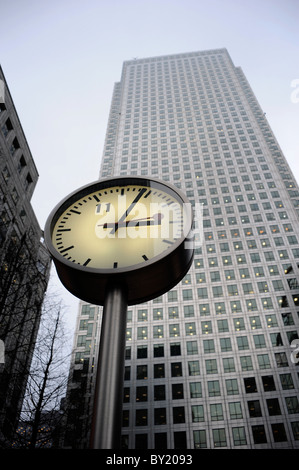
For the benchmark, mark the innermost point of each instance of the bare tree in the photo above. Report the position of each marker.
(41, 413)
(24, 271)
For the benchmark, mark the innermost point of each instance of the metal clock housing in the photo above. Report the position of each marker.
(133, 231)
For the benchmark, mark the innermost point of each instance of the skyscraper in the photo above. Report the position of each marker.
(24, 263)
(211, 364)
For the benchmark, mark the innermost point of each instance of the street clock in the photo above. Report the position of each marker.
(130, 230)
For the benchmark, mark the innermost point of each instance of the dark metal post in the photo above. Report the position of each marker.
(108, 399)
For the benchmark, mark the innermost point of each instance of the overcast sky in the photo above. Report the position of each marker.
(62, 57)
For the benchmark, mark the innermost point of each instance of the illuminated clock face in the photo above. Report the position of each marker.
(119, 226)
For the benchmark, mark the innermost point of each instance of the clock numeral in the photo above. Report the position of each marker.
(99, 206)
(87, 262)
(115, 265)
(145, 257)
(75, 212)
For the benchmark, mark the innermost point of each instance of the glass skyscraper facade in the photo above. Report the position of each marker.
(210, 364)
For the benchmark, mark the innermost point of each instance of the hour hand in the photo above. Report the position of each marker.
(123, 217)
(154, 220)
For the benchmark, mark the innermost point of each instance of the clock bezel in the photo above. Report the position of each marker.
(90, 283)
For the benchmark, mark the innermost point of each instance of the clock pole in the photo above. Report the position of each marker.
(108, 398)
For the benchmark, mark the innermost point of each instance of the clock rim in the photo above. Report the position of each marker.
(92, 187)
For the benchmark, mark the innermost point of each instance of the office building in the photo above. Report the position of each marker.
(24, 264)
(209, 364)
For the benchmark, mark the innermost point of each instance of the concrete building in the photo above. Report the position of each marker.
(25, 263)
(210, 364)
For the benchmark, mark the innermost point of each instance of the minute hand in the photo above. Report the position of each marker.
(143, 190)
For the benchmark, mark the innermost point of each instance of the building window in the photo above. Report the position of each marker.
(141, 417)
(222, 326)
(232, 386)
(180, 440)
(142, 315)
(188, 311)
(141, 441)
(161, 440)
(228, 364)
(174, 330)
(159, 371)
(250, 385)
(192, 347)
(159, 392)
(197, 412)
(142, 332)
(242, 342)
(295, 429)
(200, 439)
(141, 372)
(292, 405)
(255, 323)
(209, 346)
(219, 438)
(235, 410)
(195, 390)
(158, 331)
(157, 314)
(281, 359)
(141, 352)
(125, 420)
(259, 341)
(273, 407)
(279, 433)
(178, 414)
(214, 388)
(173, 312)
(286, 381)
(211, 366)
(190, 329)
(254, 409)
(193, 368)
(177, 391)
(264, 361)
(175, 349)
(239, 324)
(239, 436)
(206, 327)
(259, 434)
(246, 363)
(268, 383)
(160, 416)
(176, 369)
(141, 393)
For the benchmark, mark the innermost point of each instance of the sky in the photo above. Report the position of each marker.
(61, 59)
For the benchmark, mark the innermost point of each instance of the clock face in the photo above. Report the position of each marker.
(120, 225)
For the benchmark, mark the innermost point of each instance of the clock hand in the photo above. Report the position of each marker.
(155, 219)
(143, 190)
